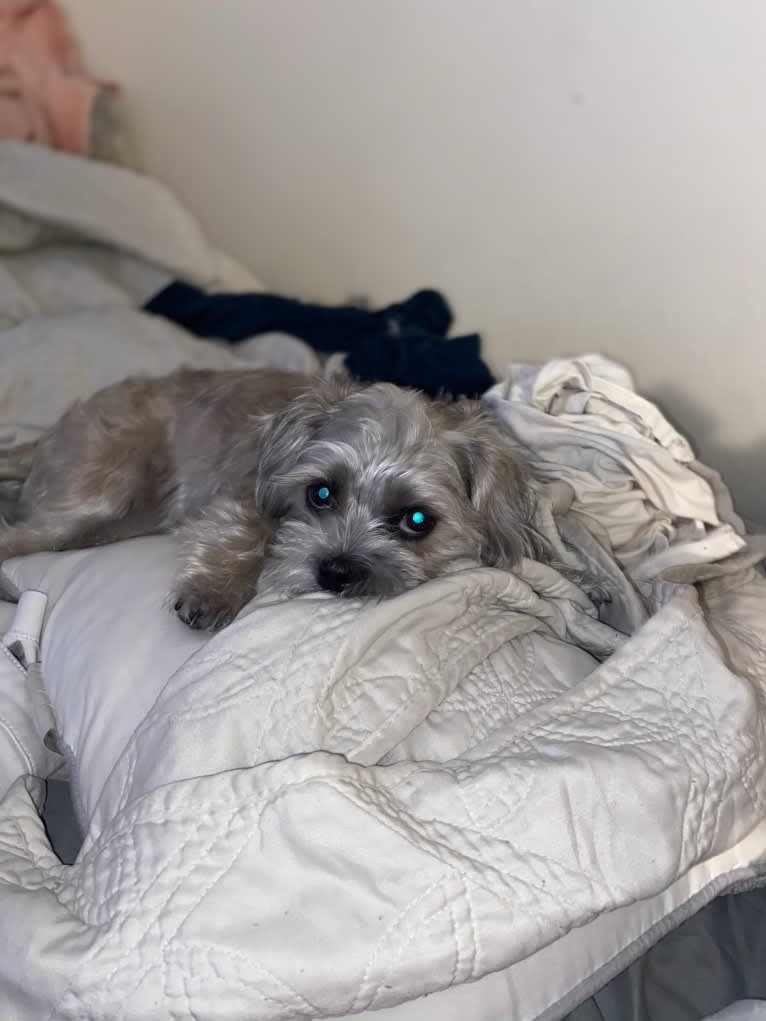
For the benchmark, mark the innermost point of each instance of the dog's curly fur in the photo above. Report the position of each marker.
(226, 459)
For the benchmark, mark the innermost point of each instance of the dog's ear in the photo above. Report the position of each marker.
(284, 436)
(497, 483)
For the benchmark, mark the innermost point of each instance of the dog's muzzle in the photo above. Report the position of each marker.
(335, 574)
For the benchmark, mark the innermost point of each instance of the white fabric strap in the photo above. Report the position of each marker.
(25, 632)
(23, 640)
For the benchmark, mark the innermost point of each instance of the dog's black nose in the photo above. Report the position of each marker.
(336, 573)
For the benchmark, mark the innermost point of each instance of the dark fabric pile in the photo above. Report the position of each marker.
(405, 343)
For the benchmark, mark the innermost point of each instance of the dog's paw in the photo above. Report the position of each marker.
(203, 614)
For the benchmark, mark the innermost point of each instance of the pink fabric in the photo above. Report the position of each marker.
(45, 95)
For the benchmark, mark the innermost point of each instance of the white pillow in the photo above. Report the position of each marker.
(109, 644)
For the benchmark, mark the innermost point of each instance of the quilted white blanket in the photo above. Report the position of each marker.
(334, 807)
(331, 808)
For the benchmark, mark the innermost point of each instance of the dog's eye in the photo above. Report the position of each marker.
(320, 496)
(416, 523)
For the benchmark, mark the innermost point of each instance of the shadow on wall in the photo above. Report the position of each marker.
(743, 468)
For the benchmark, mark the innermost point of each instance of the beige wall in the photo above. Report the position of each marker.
(575, 175)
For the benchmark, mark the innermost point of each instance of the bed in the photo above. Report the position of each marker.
(483, 799)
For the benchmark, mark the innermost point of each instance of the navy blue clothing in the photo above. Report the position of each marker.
(403, 343)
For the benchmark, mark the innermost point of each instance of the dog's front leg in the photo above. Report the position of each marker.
(222, 555)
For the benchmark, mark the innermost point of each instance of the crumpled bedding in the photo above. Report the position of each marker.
(286, 834)
(492, 790)
(83, 245)
(635, 482)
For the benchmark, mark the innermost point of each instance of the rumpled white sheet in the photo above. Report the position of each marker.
(634, 476)
(84, 245)
(331, 809)
(334, 807)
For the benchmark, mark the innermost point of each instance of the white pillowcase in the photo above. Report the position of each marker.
(109, 645)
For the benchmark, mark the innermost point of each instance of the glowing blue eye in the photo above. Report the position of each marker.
(416, 523)
(320, 497)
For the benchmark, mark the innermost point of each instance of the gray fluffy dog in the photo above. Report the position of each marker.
(274, 482)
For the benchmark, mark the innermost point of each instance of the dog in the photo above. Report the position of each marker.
(275, 482)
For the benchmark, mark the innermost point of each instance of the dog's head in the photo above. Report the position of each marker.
(376, 489)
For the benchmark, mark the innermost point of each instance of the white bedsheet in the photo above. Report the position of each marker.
(635, 480)
(251, 854)
(337, 807)
(82, 246)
